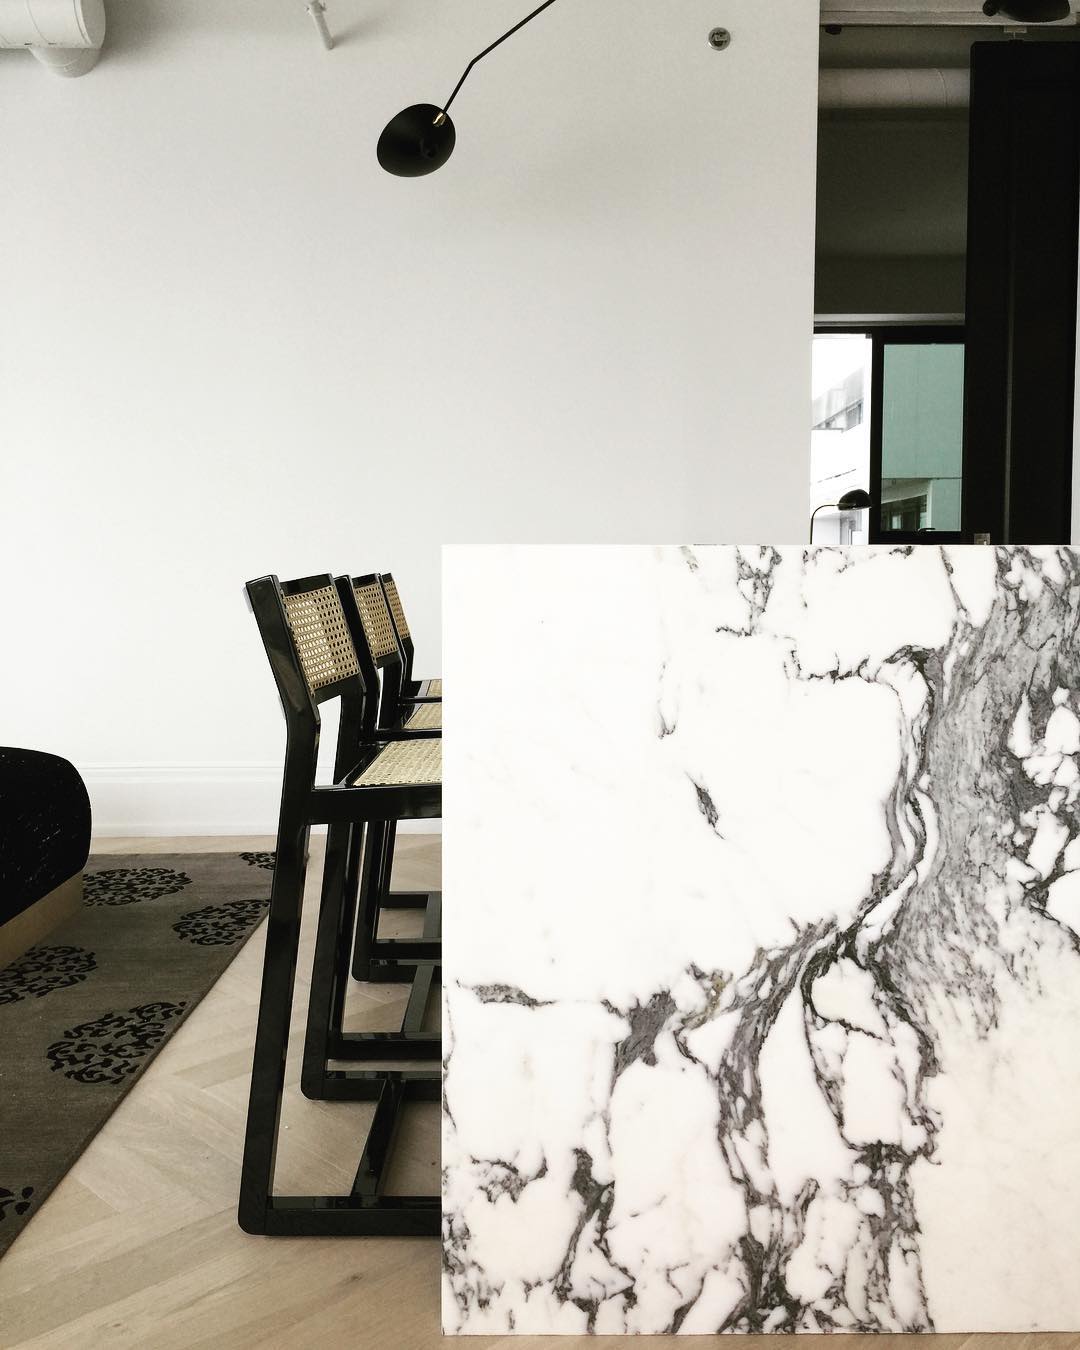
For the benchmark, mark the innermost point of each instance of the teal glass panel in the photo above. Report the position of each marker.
(922, 435)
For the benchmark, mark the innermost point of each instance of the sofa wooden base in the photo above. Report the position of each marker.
(35, 924)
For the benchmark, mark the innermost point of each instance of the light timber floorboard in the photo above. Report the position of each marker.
(138, 1246)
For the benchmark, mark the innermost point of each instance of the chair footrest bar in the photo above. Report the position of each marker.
(396, 972)
(367, 1085)
(367, 1211)
(353, 1216)
(361, 1046)
(409, 899)
(406, 949)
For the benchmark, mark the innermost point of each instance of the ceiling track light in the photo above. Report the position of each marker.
(840, 15)
(420, 139)
(1029, 11)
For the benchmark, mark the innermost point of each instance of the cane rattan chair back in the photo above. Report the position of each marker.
(311, 650)
(376, 621)
(397, 611)
(412, 688)
(401, 624)
(324, 646)
(375, 641)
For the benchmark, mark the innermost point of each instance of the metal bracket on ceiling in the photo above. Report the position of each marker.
(317, 10)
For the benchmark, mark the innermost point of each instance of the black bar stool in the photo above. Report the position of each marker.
(394, 775)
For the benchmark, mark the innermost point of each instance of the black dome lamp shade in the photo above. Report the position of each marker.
(418, 140)
(1029, 11)
(421, 139)
(856, 499)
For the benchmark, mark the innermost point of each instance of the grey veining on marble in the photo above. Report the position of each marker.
(762, 975)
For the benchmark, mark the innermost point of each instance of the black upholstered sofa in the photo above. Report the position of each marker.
(44, 844)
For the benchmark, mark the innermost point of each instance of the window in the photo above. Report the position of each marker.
(922, 432)
(905, 513)
(888, 416)
(840, 434)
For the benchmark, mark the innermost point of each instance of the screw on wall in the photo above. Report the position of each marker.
(719, 38)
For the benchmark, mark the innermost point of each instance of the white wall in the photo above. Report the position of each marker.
(229, 344)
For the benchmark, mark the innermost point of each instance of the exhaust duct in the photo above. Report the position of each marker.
(852, 90)
(64, 35)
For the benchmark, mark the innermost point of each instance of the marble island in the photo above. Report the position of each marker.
(761, 966)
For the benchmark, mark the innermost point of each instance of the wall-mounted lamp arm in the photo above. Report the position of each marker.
(420, 139)
(509, 33)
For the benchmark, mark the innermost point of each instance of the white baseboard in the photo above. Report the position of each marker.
(192, 799)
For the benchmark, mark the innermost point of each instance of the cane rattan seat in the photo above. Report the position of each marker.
(427, 717)
(404, 763)
(432, 687)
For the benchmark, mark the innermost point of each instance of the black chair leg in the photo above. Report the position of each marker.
(343, 955)
(326, 1039)
(411, 1041)
(389, 960)
(381, 970)
(366, 1210)
(326, 1000)
(387, 869)
(367, 915)
(272, 1033)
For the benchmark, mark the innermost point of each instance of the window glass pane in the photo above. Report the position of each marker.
(922, 435)
(840, 435)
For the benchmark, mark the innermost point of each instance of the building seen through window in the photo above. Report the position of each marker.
(840, 434)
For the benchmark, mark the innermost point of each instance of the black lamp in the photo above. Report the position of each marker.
(858, 499)
(1029, 11)
(421, 139)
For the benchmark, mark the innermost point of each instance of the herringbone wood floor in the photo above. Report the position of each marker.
(139, 1247)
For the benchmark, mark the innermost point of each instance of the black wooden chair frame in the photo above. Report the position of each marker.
(382, 666)
(346, 809)
(356, 891)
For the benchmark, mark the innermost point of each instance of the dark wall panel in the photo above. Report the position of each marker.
(1024, 188)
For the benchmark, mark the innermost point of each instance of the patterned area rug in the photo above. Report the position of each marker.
(84, 1013)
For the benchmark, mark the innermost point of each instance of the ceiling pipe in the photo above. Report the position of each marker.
(64, 35)
(934, 90)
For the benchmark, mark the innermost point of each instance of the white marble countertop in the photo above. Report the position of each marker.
(761, 969)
